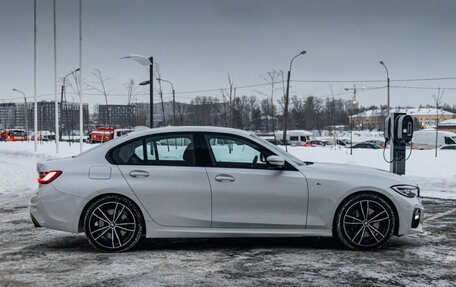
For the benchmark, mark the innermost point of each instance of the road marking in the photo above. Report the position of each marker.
(441, 214)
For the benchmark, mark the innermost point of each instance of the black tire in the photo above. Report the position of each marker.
(355, 230)
(113, 223)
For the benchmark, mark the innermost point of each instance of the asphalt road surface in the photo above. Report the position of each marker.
(40, 257)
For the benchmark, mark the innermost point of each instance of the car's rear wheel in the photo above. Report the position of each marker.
(365, 221)
(113, 223)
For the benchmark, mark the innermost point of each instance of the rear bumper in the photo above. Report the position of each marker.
(54, 209)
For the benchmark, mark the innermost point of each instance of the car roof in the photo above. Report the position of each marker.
(171, 129)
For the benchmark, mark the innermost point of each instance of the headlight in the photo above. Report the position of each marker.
(407, 190)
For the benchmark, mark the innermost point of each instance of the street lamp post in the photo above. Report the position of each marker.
(61, 101)
(147, 62)
(285, 112)
(25, 113)
(388, 81)
(354, 102)
(174, 99)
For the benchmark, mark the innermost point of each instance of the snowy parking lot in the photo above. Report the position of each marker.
(37, 257)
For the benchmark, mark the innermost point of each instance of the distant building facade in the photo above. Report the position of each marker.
(12, 115)
(121, 116)
(424, 117)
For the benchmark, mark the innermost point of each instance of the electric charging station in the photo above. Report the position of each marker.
(398, 132)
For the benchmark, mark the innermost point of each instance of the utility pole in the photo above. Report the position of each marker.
(174, 98)
(61, 101)
(35, 110)
(56, 102)
(285, 111)
(25, 112)
(353, 104)
(388, 82)
(81, 112)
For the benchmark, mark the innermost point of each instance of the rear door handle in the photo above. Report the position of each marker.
(139, 173)
(224, 177)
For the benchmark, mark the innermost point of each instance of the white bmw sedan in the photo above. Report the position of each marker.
(218, 182)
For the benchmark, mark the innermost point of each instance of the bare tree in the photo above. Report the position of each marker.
(272, 77)
(231, 101)
(132, 91)
(100, 86)
(437, 100)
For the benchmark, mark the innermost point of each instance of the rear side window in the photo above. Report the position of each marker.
(171, 149)
(174, 149)
(131, 153)
(293, 138)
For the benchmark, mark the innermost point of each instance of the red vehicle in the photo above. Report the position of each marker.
(314, 143)
(13, 135)
(101, 135)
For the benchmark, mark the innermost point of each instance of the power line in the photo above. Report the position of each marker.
(278, 82)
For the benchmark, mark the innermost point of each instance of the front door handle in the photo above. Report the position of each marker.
(139, 173)
(224, 177)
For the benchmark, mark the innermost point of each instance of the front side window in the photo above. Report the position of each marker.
(171, 150)
(234, 152)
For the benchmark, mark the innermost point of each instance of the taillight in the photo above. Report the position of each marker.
(48, 177)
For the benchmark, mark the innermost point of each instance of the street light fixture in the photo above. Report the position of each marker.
(285, 112)
(61, 101)
(388, 81)
(146, 62)
(174, 99)
(25, 113)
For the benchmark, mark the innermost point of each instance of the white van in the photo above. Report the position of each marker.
(425, 139)
(298, 137)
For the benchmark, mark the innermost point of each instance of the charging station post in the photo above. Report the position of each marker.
(398, 132)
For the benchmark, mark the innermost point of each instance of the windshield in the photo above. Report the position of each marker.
(454, 139)
(279, 150)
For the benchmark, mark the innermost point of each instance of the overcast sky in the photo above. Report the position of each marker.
(197, 43)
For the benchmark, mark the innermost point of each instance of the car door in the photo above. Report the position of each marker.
(167, 177)
(246, 192)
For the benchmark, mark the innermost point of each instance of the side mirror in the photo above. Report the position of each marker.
(276, 160)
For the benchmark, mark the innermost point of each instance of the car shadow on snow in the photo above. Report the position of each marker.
(201, 244)
(79, 243)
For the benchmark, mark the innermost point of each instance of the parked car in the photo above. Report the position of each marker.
(297, 137)
(425, 139)
(377, 142)
(448, 147)
(218, 182)
(344, 142)
(314, 143)
(101, 135)
(279, 142)
(43, 136)
(13, 135)
(367, 145)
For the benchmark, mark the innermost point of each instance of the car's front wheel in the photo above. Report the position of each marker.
(364, 221)
(113, 223)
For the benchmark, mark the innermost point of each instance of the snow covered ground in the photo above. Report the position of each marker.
(42, 257)
(436, 176)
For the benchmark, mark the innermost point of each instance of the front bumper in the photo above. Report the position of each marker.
(407, 209)
(54, 209)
